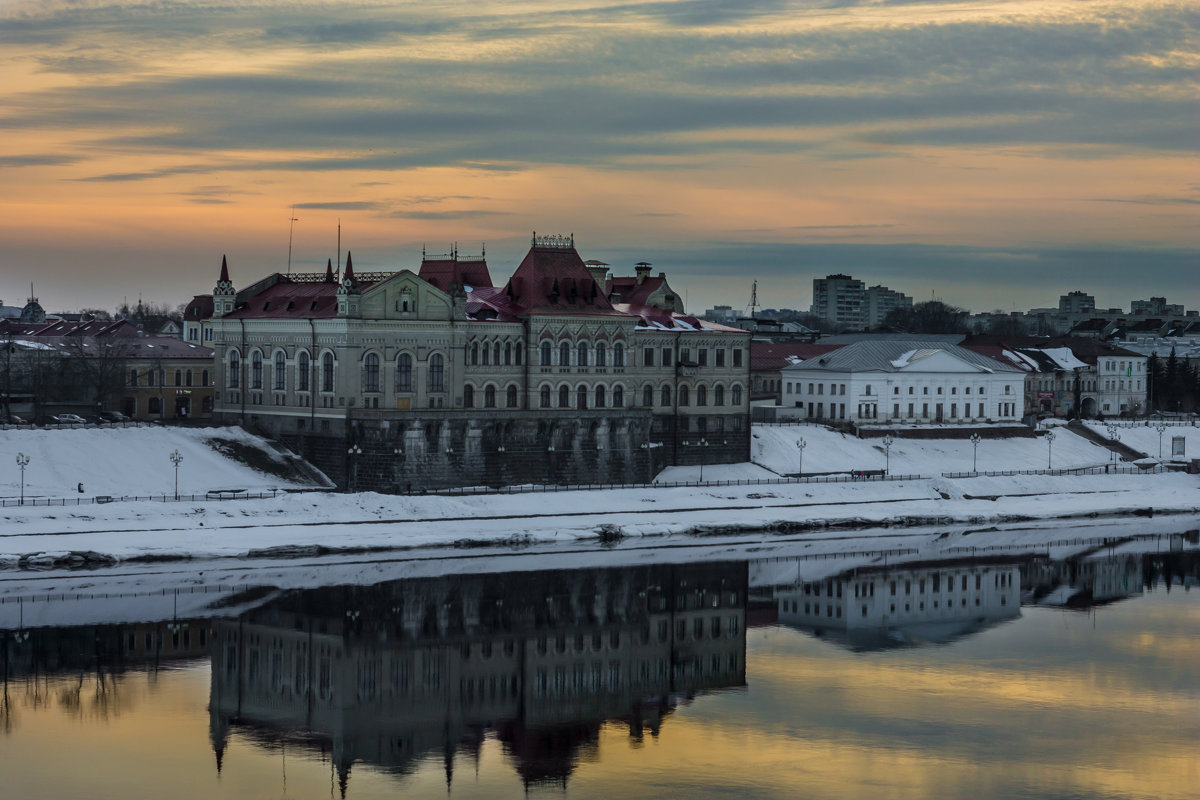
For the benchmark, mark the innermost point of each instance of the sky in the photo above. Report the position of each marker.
(989, 154)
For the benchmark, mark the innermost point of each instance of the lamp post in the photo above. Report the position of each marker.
(975, 440)
(22, 462)
(1112, 435)
(353, 452)
(1049, 448)
(176, 459)
(888, 441)
(703, 444)
(1160, 428)
(800, 445)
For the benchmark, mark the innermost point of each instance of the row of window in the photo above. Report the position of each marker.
(840, 389)
(370, 372)
(158, 377)
(546, 396)
(581, 355)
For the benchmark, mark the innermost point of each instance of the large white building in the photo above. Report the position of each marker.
(904, 381)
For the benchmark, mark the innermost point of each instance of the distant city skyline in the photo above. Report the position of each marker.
(998, 156)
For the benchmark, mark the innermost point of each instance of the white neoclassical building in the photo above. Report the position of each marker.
(904, 381)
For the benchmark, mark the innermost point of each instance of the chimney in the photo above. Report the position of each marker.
(599, 275)
(642, 268)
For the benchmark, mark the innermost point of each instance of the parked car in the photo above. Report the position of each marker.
(70, 419)
(113, 416)
(13, 419)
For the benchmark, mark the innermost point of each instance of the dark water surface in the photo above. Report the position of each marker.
(1007, 677)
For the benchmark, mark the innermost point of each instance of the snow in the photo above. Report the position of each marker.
(127, 461)
(1143, 437)
(1064, 357)
(715, 472)
(775, 447)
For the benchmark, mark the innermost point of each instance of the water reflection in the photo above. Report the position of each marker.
(550, 670)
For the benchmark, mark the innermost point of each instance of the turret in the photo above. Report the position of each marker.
(224, 293)
(348, 296)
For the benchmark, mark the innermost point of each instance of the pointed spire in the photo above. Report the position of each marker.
(224, 271)
(329, 270)
(349, 273)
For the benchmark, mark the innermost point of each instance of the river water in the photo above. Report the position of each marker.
(1023, 674)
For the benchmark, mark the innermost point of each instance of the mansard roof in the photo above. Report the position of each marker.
(298, 296)
(896, 355)
(443, 270)
(552, 279)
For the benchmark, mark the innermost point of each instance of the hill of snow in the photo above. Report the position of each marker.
(775, 448)
(135, 461)
(1144, 438)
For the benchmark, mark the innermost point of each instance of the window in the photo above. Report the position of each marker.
(868, 389)
(489, 397)
(618, 355)
(648, 357)
(719, 393)
(468, 396)
(496, 354)
(544, 355)
(684, 398)
(737, 356)
(511, 396)
(666, 356)
(665, 399)
(327, 372)
(279, 372)
(600, 397)
(517, 354)
(437, 373)
(474, 354)
(178, 378)
(601, 355)
(371, 373)
(736, 394)
(701, 395)
(581, 398)
(235, 370)
(544, 397)
(302, 368)
(564, 397)
(133, 378)
(583, 354)
(702, 357)
(618, 397)
(647, 395)
(204, 378)
(507, 354)
(404, 366)
(720, 356)
(564, 354)
(487, 357)
(256, 370)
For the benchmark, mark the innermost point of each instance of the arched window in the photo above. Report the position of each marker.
(487, 354)
(235, 369)
(187, 378)
(719, 395)
(279, 372)
(583, 354)
(474, 354)
(437, 373)
(371, 373)
(701, 395)
(600, 397)
(581, 398)
(564, 355)
(511, 396)
(544, 397)
(507, 353)
(618, 355)
(204, 378)
(618, 398)
(404, 373)
(647, 395)
(736, 394)
(601, 355)
(468, 396)
(178, 377)
(302, 372)
(496, 354)
(517, 357)
(327, 372)
(564, 397)
(489, 397)
(256, 370)
(544, 360)
(684, 398)
(665, 399)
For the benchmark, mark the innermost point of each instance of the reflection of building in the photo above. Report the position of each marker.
(1086, 581)
(389, 673)
(893, 606)
(104, 648)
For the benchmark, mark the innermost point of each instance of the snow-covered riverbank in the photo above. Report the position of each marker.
(315, 522)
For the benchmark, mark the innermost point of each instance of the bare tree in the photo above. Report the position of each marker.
(98, 364)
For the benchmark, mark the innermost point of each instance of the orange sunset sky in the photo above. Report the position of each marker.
(997, 154)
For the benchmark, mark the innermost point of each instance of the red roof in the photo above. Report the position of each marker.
(200, 308)
(630, 291)
(299, 297)
(445, 270)
(554, 280)
(768, 357)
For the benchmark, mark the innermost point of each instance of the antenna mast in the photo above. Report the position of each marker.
(339, 264)
(291, 224)
(753, 299)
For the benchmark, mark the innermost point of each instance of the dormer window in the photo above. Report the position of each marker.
(404, 303)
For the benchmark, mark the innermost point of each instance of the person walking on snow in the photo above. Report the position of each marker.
(81, 488)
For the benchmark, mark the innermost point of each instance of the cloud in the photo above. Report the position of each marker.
(347, 205)
(38, 160)
(1149, 200)
(451, 215)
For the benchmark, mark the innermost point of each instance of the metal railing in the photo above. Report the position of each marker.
(156, 498)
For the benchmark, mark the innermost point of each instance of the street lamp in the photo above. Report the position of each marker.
(1049, 448)
(703, 443)
(176, 459)
(22, 462)
(975, 440)
(800, 445)
(888, 441)
(1160, 428)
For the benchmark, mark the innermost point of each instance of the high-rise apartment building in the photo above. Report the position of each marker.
(846, 301)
